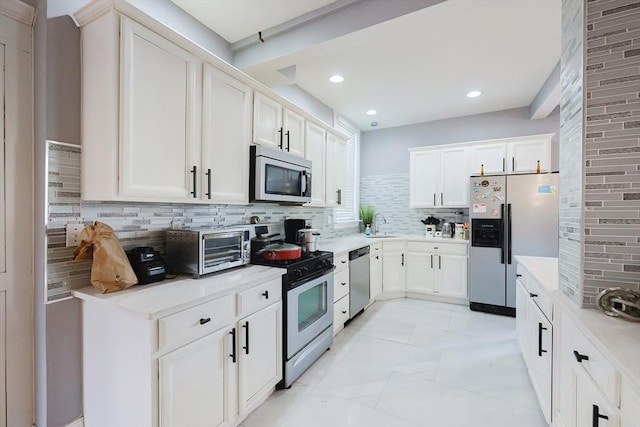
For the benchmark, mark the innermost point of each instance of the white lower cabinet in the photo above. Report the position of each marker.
(207, 365)
(375, 271)
(341, 289)
(629, 406)
(393, 267)
(196, 382)
(340, 313)
(260, 354)
(437, 268)
(592, 408)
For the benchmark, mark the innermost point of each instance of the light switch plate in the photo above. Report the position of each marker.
(73, 233)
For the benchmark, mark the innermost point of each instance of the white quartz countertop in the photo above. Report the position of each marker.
(618, 339)
(349, 243)
(170, 296)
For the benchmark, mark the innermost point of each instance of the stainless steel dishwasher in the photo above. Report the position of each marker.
(358, 280)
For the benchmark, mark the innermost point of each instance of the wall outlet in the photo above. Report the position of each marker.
(73, 233)
(329, 219)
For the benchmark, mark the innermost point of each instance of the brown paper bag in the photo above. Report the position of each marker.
(110, 270)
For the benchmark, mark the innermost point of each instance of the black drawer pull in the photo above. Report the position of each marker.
(265, 294)
(540, 329)
(246, 338)
(233, 345)
(518, 275)
(203, 320)
(343, 283)
(597, 415)
(532, 295)
(580, 357)
(344, 311)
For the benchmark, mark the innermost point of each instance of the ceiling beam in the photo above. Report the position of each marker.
(548, 98)
(327, 23)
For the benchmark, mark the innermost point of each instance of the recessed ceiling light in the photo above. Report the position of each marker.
(336, 78)
(371, 112)
(474, 93)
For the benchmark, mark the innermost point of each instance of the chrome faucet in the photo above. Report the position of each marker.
(375, 224)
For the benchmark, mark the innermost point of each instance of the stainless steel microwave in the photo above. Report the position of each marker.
(278, 176)
(204, 251)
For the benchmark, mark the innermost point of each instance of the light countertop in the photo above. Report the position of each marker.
(160, 299)
(349, 243)
(617, 339)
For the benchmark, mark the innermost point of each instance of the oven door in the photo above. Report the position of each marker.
(309, 311)
(281, 181)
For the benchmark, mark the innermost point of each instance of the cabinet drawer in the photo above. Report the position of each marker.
(397, 246)
(193, 323)
(340, 313)
(259, 297)
(341, 261)
(340, 284)
(375, 249)
(432, 247)
(596, 366)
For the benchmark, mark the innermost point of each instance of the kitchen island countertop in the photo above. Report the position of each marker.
(349, 243)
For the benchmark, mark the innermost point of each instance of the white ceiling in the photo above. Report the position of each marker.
(414, 68)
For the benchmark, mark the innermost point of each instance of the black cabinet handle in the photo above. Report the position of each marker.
(504, 161)
(540, 329)
(434, 199)
(403, 260)
(431, 261)
(518, 275)
(532, 295)
(203, 320)
(288, 142)
(194, 172)
(208, 193)
(265, 294)
(439, 262)
(344, 262)
(339, 197)
(246, 338)
(233, 345)
(597, 415)
(343, 283)
(580, 357)
(280, 132)
(441, 198)
(344, 311)
(513, 164)
(377, 256)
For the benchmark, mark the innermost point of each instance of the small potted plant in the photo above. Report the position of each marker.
(366, 215)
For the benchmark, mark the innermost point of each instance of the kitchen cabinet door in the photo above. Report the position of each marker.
(452, 275)
(315, 147)
(423, 176)
(523, 330)
(267, 121)
(226, 136)
(335, 169)
(454, 177)
(524, 155)
(260, 352)
(3, 241)
(195, 383)
(160, 116)
(293, 138)
(492, 156)
(629, 406)
(393, 267)
(375, 276)
(421, 271)
(541, 357)
(592, 408)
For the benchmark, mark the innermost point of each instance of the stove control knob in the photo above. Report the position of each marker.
(305, 270)
(326, 263)
(297, 272)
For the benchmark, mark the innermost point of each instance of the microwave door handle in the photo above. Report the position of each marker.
(303, 183)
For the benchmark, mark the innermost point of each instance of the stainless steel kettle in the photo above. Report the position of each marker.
(447, 230)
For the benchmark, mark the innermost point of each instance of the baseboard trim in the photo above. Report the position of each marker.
(77, 423)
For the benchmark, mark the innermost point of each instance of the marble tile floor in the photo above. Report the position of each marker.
(410, 363)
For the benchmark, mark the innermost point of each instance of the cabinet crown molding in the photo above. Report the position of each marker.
(93, 10)
(484, 141)
(18, 11)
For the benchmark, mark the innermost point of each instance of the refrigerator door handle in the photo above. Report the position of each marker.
(509, 232)
(502, 242)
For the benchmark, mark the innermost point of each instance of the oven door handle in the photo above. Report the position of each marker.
(305, 280)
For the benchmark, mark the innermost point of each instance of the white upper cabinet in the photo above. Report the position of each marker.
(315, 150)
(226, 136)
(160, 116)
(490, 157)
(439, 177)
(276, 126)
(335, 170)
(524, 155)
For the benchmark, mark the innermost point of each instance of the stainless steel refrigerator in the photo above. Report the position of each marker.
(510, 215)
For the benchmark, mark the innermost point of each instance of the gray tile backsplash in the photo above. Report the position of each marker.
(138, 224)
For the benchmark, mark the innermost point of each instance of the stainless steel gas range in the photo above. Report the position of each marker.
(308, 306)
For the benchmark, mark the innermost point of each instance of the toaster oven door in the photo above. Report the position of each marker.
(221, 250)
